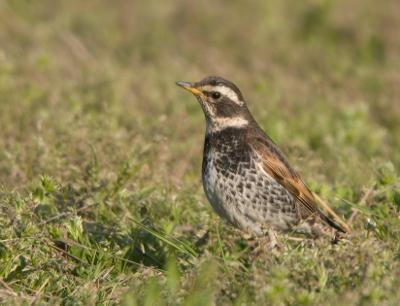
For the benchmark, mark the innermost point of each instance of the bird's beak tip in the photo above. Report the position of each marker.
(189, 86)
(184, 84)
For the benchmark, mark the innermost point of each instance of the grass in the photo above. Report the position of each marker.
(100, 153)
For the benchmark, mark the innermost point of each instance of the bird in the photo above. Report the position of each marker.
(246, 177)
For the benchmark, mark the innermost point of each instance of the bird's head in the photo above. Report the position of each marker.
(222, 102)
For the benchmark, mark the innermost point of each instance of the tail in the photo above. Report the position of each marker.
(330, 225)
(324, 227)
(331, 218)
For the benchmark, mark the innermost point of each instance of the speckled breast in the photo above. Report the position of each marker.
(237, 188)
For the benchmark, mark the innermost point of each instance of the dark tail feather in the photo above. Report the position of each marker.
(333, 224)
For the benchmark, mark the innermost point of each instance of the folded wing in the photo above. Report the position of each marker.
(275, 164)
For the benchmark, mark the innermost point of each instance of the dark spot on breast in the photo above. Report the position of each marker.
(274, 211)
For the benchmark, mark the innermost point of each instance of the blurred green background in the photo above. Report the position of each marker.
(100, 153)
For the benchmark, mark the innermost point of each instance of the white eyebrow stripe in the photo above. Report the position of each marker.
(225, 91)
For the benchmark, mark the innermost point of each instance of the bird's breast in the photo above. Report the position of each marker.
(214, 186)
(224, 157)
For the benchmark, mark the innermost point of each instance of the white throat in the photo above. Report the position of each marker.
(219, 124)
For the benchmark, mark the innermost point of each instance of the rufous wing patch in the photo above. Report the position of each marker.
(275, 166)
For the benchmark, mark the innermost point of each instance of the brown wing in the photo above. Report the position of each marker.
(275, 164)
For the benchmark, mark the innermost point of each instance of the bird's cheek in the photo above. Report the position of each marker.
(208, 109)
(213, 108)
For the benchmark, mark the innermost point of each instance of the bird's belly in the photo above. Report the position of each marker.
(213, 187)
(249, 199)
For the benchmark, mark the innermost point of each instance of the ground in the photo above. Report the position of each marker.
(101, 199)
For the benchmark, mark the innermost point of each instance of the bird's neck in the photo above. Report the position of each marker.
(216, 125)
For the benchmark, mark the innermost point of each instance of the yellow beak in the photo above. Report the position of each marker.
(190, 87)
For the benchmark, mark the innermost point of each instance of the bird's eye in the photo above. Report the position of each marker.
(215, 95)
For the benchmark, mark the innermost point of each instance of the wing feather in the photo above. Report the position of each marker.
(275, 164)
